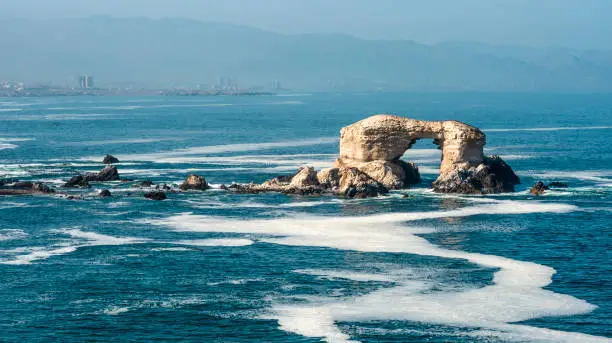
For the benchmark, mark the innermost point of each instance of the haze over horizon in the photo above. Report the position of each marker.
(545, 23)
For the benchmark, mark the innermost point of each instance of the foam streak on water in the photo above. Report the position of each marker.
(516, 294)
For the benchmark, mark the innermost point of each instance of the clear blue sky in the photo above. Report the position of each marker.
(572, 23)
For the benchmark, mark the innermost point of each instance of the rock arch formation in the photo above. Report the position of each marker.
(375, 145)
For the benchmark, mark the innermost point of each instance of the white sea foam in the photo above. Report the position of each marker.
(516, 295)
(27, 255)
(289, 102)
(121, 141)
(235, 282)
(12, 234)
(584, 175)
(37, 253)
(115, 310)
(11, 109)
(551, 128)
(217, 149)
(15, 139)
(181, 249)
(94, 238)
(4, 146)
(216, 242)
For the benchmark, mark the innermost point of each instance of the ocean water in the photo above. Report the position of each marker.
(210, 266)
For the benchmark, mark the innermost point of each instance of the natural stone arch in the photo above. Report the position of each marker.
(375, 145)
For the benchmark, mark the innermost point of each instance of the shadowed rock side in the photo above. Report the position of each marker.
(376, 144)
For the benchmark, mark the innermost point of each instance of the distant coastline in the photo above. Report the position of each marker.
(46, 92)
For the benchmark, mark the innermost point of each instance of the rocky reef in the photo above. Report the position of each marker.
(370, 162)
(369, 165)
(345, 181)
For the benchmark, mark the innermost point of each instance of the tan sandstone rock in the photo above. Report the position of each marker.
(195, 182)
(305, 177)
(376, 144)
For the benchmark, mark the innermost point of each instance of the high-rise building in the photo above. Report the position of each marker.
(86, 82)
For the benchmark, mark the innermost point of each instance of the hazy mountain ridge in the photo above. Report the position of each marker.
(180, 52)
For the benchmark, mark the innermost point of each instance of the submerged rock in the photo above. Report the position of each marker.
(105, 193)
(110, 159)
(157, 195)
(538, 189)
(195, 182)
(557, 184)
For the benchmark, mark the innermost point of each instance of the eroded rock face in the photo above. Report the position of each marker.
(357, 184)
(305, 177)
(376, 144)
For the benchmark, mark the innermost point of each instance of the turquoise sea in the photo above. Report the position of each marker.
(211, 266)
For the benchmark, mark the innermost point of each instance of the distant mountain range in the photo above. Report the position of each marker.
(181, 52)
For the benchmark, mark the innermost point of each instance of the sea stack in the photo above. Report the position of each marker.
(376, 144)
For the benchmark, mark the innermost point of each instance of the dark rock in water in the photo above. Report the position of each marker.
(155, 195)
(25, 187)
(7, 181)
(491, 176)
(357, 184)
(110, 159)
(412, 176)
(109, 173)
(104, 193)
(146, 183)
(77, 181)
(126, 180)
(195, 182)
(538, 189)
(557, 184)
(310, 190)
(224, 187)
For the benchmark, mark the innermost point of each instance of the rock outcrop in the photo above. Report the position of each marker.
(157, 195)
(194, 182)
(109, 173)
(105, 193)
(348, 182)
(356, 184)
(110, 159)
(538, 189)
(24, 188)
(375, 145)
